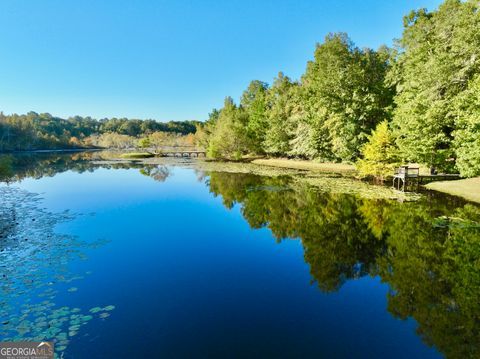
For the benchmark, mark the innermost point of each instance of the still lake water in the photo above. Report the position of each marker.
(172, 262)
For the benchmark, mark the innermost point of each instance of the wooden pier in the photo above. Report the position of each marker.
(405, 176)
(181, 153)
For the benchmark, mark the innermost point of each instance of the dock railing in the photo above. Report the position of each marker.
(406, 172)
(403, 173)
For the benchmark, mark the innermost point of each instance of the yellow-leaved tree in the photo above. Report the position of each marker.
(379, 154)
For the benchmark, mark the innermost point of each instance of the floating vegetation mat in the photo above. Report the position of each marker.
(158, 168)
(34, 263)
(359, 188)
(327, 182)
(202, 165)
(454, 222)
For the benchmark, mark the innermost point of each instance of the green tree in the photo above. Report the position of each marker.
(345, 96)
(228, 138)
(466, 137)
(278, 136)
(204, 130)
(254, 102)
(438, 58)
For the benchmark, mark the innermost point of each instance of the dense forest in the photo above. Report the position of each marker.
(44, 131)
(417, 102)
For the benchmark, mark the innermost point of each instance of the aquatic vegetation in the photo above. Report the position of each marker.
(425, 247)
(27, 293)
(454, 222)
(344, 185)
(137, 155)
(307, 165)
(158, 169)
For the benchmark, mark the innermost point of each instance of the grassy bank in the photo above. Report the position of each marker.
(307, 165)
(466, 188)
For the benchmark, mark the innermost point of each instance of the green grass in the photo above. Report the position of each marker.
(137, 155)
(307, 165)
(467, 188)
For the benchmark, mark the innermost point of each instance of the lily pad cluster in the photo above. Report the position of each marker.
(454, 222)
(34, 267)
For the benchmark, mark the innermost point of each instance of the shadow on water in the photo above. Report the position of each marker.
(427, 251)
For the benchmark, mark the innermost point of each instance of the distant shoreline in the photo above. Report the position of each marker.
(54, 150)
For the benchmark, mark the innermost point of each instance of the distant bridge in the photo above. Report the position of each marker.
(179, 153)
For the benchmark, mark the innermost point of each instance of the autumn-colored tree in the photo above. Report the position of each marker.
(380, 154)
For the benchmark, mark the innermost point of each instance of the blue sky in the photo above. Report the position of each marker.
(168, 60)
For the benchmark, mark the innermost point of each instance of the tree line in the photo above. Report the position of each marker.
(44, 131)
(417, 102)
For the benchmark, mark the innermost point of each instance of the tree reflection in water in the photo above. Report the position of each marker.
(427, 251)
(38, 165)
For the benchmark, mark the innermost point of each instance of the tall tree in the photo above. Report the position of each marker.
(255, 103)
(438, 57)
(345, 96)
(228, 138)
(278, 136)
(467, 130)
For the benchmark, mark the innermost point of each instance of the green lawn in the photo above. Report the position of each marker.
(467, 188)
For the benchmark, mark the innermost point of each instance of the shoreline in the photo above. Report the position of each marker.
(52, 151)
(468, 188)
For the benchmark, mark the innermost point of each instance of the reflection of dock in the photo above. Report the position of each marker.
(405, 176)
(181, 154)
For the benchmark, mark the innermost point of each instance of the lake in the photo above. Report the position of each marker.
(169, 260)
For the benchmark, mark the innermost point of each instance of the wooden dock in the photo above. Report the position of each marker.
(405, 176)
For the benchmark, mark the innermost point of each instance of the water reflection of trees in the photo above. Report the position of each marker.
(158, 173)
(428, 251)
(15, 168)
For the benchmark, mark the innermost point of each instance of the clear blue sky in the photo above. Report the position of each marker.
(168, 60)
